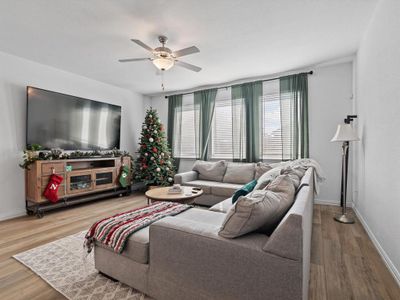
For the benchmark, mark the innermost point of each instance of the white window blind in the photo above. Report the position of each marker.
(276, 120)
(228, 127)
(186, 121)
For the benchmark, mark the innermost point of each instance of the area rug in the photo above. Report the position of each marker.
(65, 266)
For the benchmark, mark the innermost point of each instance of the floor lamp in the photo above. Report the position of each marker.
(345, 134)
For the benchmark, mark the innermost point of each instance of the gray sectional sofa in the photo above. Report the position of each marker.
(183, 257)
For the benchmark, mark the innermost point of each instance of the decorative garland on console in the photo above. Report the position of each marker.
(34, 152)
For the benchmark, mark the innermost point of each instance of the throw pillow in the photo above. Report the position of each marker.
(209, 170)
(267, 178)
(239, 173)
(260, 210)
(244, 190)
(282, 189)
(295, 174)
(261, 168)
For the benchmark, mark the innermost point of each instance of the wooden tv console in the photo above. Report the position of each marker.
(84, 180)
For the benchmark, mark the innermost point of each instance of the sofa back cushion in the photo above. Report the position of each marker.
(209, 170)
(239, 173)
(261, 168)
(261, 210)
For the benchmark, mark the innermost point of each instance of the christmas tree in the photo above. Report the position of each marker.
(154, 165)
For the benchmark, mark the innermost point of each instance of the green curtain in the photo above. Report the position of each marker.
(205, 101)
(295, 89)
(250, 93)
(174, 124)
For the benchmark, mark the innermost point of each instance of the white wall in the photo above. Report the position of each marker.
(377, 197)
(330, 100)
(16, 73)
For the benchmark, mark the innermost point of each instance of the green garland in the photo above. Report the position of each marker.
(33, 153)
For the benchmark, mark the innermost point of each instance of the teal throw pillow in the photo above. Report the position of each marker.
(244, 190)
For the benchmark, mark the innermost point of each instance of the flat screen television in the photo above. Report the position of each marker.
(56, 120)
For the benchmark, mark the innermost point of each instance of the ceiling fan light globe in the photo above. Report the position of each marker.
(163, 64)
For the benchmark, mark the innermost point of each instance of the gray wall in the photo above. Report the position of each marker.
(377, 189)
(16, 73)
(330, 100)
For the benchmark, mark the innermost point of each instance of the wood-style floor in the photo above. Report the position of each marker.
(345, 264)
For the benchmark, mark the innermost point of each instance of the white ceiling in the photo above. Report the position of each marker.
(237, 38)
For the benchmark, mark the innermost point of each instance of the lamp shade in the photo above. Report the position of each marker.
(345, 133)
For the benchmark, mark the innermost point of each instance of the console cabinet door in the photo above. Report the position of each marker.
(104, 178)
(80, 182)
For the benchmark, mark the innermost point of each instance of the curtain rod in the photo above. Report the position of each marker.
(226, 86)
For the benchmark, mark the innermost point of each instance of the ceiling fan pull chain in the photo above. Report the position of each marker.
(162, 81)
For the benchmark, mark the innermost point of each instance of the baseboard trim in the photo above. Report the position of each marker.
(12, 216)
(389, 264)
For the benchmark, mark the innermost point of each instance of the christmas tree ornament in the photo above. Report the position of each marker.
(151, 140)
(155, 131)
(162, 153)
(146, 154)
(152, 158)
(170, 179)
(158, 169)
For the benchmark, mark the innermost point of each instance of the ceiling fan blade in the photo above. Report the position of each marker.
(187, 66)
(186, 51)
(133, 59)
(140, 43)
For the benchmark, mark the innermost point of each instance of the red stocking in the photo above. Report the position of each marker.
(52, 188)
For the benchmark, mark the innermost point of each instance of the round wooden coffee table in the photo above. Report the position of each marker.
(161, 194)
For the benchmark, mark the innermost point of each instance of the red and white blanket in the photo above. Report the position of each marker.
(114, 231)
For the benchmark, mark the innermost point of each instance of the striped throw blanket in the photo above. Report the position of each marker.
(114, 231)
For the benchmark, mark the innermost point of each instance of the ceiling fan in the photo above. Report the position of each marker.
(164, 58)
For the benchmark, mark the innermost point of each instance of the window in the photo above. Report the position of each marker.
(187, 121)
(276, 122)
(228, 131)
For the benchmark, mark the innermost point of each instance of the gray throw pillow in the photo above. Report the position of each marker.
(260, 210)
(209, 170)
(295, 174)
(239, 173)
(267, 178)
(261, 168)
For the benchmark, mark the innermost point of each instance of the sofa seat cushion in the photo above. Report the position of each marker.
(239, 173)
(224, 189)
(215, 187)
(137, 247)
(222, 206)
(203, 184)
(202, 216)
